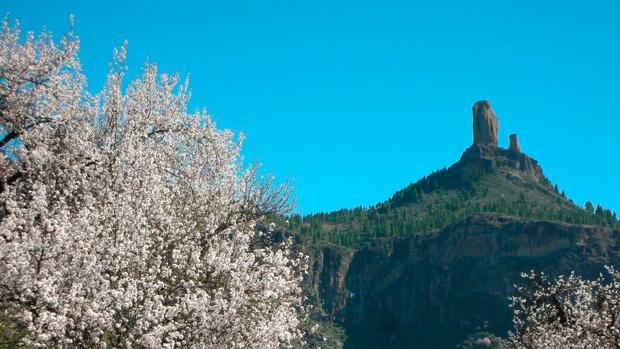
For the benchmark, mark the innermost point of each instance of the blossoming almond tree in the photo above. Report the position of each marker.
(567, 313)
(124, 220)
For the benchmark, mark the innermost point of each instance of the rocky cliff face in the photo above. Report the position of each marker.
(485, 124)
(325, 283)
(432, 291)
(481, 157)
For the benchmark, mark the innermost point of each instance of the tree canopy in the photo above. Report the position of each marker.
(126, 220)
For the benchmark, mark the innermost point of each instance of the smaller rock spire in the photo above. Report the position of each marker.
(485, 124)
(514, 144)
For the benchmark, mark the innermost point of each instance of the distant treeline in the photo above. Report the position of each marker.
(353, 227)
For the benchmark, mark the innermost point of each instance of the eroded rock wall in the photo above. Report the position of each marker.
(433, 291)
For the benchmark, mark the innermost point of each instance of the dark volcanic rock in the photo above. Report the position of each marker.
(433, 291)
(485, 124)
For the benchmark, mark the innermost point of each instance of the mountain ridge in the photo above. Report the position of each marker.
(486, 178)
(437, 262)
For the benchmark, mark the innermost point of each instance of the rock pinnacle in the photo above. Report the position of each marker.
(485, 124)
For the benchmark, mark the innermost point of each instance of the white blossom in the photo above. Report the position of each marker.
(124, 220)
(567, 313)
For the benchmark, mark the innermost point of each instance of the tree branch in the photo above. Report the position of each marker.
(8, 137)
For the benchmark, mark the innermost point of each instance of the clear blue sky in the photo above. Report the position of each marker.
(356, 99)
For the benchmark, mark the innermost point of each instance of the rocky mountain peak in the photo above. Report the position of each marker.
(486, 125)
(486, 155)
